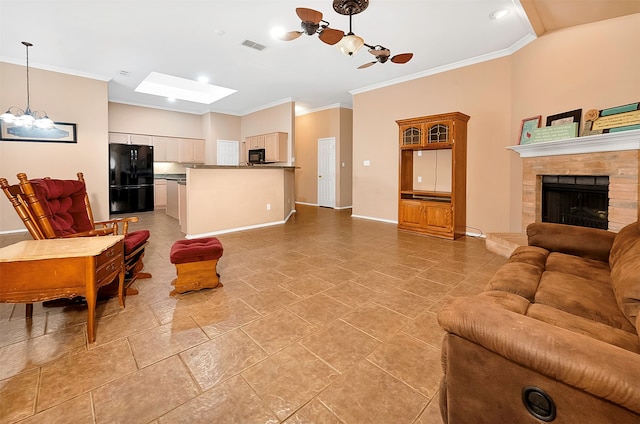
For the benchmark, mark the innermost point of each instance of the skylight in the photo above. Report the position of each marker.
(181, 88)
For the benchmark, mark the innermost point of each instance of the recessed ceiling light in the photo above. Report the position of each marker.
(181, 88)
(171, 99)
(277, 32)
(497, 14)
(203, 79)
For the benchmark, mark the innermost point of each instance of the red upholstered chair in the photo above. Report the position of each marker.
(51, 208)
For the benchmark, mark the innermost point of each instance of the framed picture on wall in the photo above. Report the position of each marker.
(527, 127)
(61, 132)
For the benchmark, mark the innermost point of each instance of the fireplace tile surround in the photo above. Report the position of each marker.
(616, 155)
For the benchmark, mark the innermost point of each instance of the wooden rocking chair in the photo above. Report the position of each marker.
(51, 208)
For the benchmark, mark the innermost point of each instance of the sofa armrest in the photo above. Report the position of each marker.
(590, 243)
(603, 370)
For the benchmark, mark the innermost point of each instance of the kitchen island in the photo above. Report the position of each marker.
(221, 199)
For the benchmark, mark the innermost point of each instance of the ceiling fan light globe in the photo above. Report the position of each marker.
(350, 44)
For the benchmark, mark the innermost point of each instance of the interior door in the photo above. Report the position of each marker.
(228, 152)
(327, 172)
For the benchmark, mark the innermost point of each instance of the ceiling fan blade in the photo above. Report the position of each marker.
(331, 36)
(309, 15)
(402, 58)
(366, 65)
(381, 52)
(291, 35)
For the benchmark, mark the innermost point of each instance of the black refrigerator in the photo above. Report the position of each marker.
(130, 178)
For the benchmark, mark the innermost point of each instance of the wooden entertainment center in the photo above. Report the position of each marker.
(433, 147)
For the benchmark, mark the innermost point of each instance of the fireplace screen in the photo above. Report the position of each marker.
(576, 200)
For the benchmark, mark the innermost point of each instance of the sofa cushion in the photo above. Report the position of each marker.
(625, 270)
(582, 297)
(532, 255)
(582, 267)
(517, 278)
(577, 324)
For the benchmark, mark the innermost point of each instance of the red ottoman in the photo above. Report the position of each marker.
(196, 262)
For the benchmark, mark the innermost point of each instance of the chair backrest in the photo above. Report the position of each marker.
(50, 208)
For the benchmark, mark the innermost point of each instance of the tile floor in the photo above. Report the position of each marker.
(326, 319)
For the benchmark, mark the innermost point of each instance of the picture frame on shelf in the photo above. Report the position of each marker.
(565, 118)
(527, 127)
(62, 132)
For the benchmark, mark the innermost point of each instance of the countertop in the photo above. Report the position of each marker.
(265, 166)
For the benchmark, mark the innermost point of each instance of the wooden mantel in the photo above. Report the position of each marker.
(611, 142)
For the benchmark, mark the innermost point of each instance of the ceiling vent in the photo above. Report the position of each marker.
(125, 73)
(254, 45)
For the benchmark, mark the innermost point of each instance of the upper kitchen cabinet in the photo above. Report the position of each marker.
(182, 150)
(274, 144)
(123, 138)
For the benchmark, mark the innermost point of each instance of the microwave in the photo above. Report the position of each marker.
(256, 156)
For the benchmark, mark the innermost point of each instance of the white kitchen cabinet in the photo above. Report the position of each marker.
(274, 144)
(173, 149)
(191, 150)
(160, 194)
(173, 208)
(124, 138)
(159, 149)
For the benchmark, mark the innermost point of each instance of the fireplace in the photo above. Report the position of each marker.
(615, 155)
(575, 200)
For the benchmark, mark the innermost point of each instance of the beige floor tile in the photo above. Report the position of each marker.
(237, 288)
(289, 379)
(231, 402)
(265, 280)
(161, 342)
(426, 288)
(425, 328)
(351, 294)
(431, 414)
(70, 376)
(145, 395)
(277, 330)
(333, 274)
(22, 329)
(403, 302)
(319, 310)
(305, 285)
(376, 281)
(222, 358)
(18, 396)
(367, 394)
(376, 321)
(340, 345)
(130, 321)
(77, 410)
(36, 352)
(415, 363)
(442, 276)
(220, 319)
(313, 412)
(271, 300)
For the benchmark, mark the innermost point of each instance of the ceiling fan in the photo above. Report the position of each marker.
(312, 23)
(383, 54)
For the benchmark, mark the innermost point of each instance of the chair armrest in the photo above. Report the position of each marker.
(593, 366)
(92, 233)
(590, 243)
(116, 222)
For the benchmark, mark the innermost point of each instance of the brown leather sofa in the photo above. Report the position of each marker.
(554, 336)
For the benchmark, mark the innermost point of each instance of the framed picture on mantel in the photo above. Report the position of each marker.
(527, 127)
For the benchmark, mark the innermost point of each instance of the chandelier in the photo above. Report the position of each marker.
(26, 118)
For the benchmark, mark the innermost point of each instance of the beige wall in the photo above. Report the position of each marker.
(335, 122)
(66, 98)
(143, 120)
(590, 66)
(481, 91)
(218, 126)
(219, 200)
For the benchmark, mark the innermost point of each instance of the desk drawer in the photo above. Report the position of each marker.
(109, 254)
(109, 270)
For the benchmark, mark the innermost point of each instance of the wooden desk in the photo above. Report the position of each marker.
(39, 270)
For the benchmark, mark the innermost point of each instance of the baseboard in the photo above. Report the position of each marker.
(13, 231)
(371, 218)
(236, 229)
